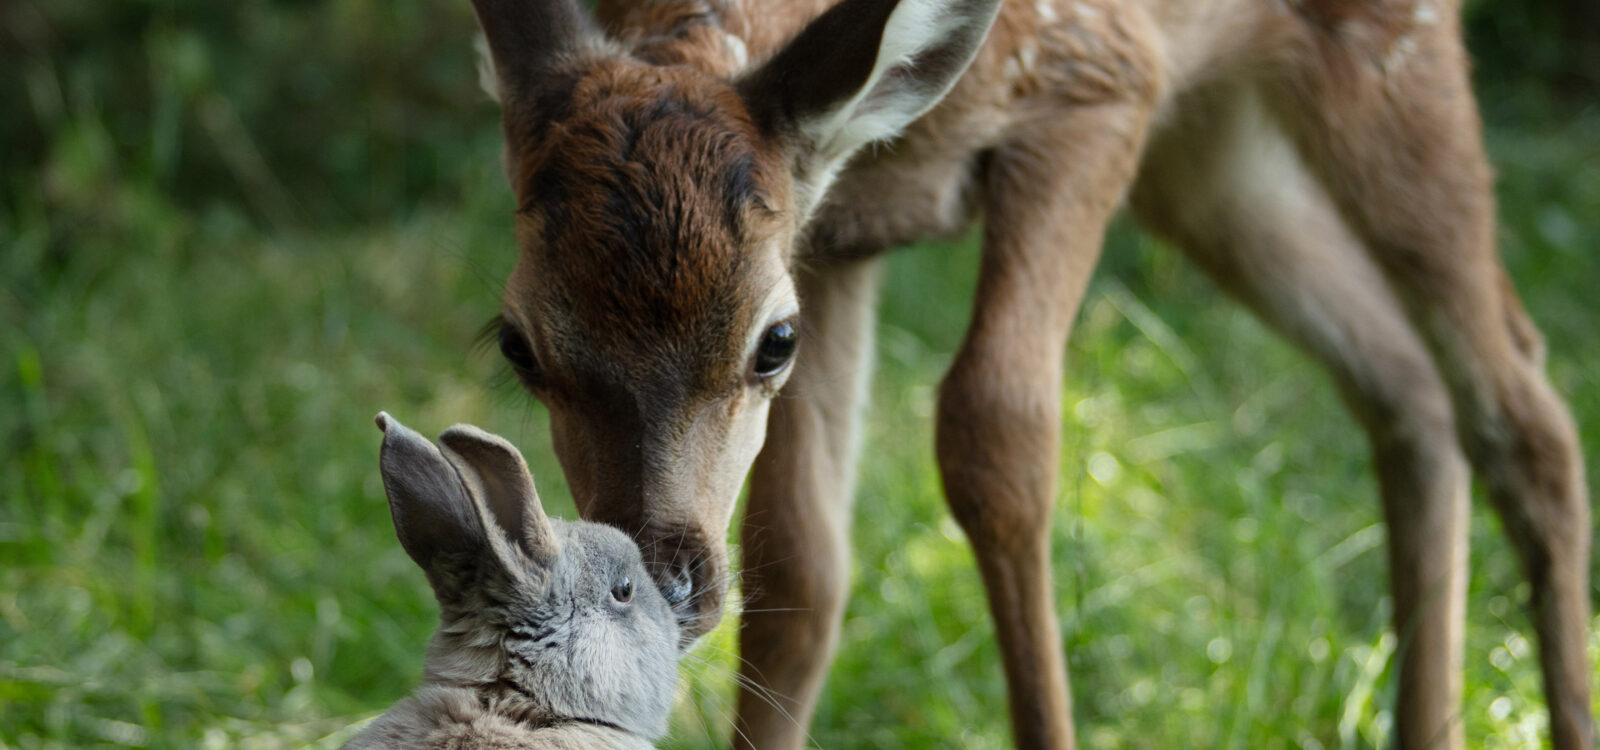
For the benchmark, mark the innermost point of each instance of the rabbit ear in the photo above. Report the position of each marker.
(433, 513)
(506, 489)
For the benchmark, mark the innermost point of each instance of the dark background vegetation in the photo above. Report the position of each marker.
(230, 232)
(318, 112)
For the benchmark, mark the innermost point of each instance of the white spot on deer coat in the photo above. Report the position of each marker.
(1047, 12)
(1425, 14)
(736, 50)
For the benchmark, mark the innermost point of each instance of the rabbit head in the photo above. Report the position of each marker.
(560, 616)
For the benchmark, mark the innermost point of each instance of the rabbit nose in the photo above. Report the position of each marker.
(677, 587)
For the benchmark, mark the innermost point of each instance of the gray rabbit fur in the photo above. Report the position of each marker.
(552, 634)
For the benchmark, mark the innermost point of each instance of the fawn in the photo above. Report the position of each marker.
(693, 177)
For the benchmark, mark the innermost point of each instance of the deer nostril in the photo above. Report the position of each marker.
(677, 587)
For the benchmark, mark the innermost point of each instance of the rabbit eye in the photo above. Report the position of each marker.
(623, 591)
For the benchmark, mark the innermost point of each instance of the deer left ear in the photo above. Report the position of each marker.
(861, 72)
(526, 40)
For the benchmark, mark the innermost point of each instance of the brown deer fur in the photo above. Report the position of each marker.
(1320, 159)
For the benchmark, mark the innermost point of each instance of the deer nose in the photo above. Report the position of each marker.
(676, 585)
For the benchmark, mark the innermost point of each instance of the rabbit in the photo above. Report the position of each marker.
(552, 634)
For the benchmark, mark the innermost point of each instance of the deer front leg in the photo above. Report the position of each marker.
(999, 422)
(796, 530)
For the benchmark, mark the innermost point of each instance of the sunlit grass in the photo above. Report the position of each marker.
(195, 552)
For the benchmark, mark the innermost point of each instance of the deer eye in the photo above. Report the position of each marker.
(623, 590)
(776, 349)
(515, 349)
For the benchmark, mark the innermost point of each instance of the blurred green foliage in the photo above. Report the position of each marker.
(284, 111)
(294, 111)
(1556, 42)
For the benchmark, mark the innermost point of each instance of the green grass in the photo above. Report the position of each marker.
(194, 549)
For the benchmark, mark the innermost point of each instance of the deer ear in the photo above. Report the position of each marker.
(497, 474)
(528, 39)
(434, 515)
(861, 72)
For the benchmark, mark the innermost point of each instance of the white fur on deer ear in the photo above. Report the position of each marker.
(488, 79)
(861, 72)
(495, 471)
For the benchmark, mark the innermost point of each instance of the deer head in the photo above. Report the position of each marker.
(652, 308)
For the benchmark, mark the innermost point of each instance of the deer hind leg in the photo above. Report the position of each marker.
(1050, 194)
(1227, 185)
(1395, 132)
(796, 529)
